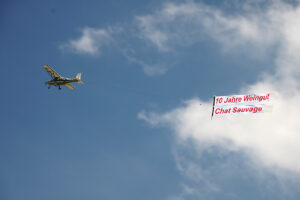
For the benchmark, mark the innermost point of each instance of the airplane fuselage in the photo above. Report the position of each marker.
(61, 81)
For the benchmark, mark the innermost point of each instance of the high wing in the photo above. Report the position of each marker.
(51, 71)
(68, 85)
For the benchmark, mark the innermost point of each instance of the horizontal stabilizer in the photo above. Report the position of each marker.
(68, 85)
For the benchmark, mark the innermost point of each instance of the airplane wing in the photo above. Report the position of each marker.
(51, 71)
(68, 85)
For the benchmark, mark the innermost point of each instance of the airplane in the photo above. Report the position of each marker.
(58, 80)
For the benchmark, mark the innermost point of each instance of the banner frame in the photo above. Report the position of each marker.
(213, 107)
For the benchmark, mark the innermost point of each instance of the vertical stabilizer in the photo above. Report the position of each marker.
(78, 77)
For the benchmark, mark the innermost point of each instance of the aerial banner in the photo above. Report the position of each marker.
(241, 99)
(240, 104)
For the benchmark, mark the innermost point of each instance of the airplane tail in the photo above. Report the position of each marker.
(78, 78)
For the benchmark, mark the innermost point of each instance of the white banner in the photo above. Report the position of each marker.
(249, 99)
(219, 111)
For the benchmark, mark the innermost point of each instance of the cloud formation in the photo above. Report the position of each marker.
(188, 23)
(91, 41)
(255, 28)
(194, 121)
(94, 41)
(149, 68)
(268, 141)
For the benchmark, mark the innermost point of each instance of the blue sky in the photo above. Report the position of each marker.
(135, 129)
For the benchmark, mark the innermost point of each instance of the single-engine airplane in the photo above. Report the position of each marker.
(58, 80)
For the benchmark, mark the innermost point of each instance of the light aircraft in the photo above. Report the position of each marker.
(58, 80)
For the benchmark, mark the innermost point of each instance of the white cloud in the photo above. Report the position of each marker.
(270, 141)
(193, 120)
(149, 68)
(148, 31)
(188, 23)
(154, 70)
(91, 41)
